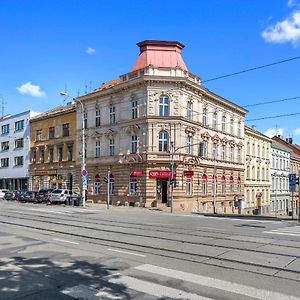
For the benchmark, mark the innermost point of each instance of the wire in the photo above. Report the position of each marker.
(274, 101)
(273, 117)
(252, 69)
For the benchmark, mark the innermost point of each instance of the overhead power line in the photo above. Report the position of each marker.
(252, 69)
(272, 101)
(272, 117)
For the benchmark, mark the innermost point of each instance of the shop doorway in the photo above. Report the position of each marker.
(162, 190)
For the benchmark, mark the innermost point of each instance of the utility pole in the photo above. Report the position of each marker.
(215, 186)
(172, 150)
(108, 187)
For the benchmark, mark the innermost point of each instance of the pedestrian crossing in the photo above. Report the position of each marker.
(286, 231)
(145, 279)
(61, 211)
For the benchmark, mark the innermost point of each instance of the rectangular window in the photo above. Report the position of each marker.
(231, 127)
(5, 129)
(33, 156)
(38, 135)
(189, 188)
(50, 155)
(204, 116)
(134, 109)
(59, 153)
(98, 118)
(4, 162)
(205, 143)
(214, 151)
(5, 146)
(189, 110)
(223, 152)
(19, 125)
(132, 186)
(42, 155)
(19, 143)
(111, 147)
(239, 156)
(239, 129)
(112, 115)
(189, 145)
(85, 118)
(70, 152)
(231, 154)
(134, 144)
(215, 118)
(97, 149)
(18, 161)
(51, 132)
(66, 131)
(223, 123)
(97, 188)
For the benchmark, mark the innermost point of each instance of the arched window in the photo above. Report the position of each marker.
(163, 105)
(223, 185)
(239, 185)
(163, 141)
(215, 117)
(248, 172)
(204, 184)
(231, 184)
(97, 184)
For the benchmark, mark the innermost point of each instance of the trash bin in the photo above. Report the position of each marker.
(255, 211)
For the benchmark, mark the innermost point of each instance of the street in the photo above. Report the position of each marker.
(62, 252)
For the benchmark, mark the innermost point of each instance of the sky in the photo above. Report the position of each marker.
(74, 46)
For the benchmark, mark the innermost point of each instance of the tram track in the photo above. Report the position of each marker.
(160, 250)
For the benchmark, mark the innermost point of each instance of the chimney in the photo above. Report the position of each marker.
(253, 127)
(160, 54)
(289, 140)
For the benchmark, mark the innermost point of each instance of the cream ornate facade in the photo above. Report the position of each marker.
(257, 172)
(133, 121)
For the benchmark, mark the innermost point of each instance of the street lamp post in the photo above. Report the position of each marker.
(172, 150)
(83, 162)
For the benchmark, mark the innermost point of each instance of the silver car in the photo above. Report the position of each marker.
(62, 196)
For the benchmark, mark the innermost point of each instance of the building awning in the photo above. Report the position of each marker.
(136, 173)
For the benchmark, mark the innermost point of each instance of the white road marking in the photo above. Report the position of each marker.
(126, 252)
(282, 233)
(65, 241)
(216, 283)
(157, 290)
(50, 211)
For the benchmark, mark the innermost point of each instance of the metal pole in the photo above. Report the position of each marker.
(172, 174)
(108, 183)
(83, 192)
(292, 205)
(215, 187)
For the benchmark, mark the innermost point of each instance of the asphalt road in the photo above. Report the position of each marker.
(61, 252)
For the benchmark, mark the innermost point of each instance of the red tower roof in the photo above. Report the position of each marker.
(164, 54)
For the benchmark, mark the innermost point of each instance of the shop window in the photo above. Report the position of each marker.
(132, 186)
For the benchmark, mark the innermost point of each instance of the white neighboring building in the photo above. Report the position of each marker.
(14, 150)
(280, 169)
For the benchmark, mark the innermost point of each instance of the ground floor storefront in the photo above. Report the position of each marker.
(52, 179)
(15, 184)
(199, 189)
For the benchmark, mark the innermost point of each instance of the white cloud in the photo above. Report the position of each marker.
(292, 3)
(273, 131)
(90, 50)
(286, 31)
(296, 131)
(31, 89)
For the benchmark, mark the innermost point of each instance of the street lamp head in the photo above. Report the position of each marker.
(64, 94)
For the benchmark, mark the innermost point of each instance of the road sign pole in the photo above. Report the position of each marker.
(108, 191)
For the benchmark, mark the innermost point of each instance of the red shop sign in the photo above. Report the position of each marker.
(136, 173)
(188, 174)
(161, 174)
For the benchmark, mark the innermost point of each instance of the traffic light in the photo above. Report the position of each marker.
(105, 179)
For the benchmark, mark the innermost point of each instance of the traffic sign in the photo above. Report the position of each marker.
(83, 172)
(292, 182)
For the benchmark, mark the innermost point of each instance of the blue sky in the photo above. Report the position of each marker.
(47, 46)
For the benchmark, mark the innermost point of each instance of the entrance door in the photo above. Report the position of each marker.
(162, 190)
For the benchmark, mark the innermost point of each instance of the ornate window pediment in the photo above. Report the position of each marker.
(215, 139)
(224, 141)
(232, 143)
(190, 131)
(205, 136)
(110, 133)
(132, 129)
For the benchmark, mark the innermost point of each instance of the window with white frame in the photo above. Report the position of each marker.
(111, 147)
(231, 154)
(239, 155)
(85, 118)
(189, 111)
(97, 185)
(19, 161)
(204, 116)
(112, 115)
(5, 129)
(189, 144)
(19, 125)
(163, 141)
(231, 126)
(134, 111)
(163, 105)
(134, 144)
(204, 184)
(111, 184)
(223, 185)
(214, 151)
(223, 152)
(224, 123)
(215, 118)
(5, 146)
(205, 145)
(231, 184)
(98, 118)
(97, 149)
(239, 130)
(188, 187)
(132, 186)
(4, 162)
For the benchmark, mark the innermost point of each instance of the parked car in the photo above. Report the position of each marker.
(30, 196)
(20, 195)
(2, 193)
(10, 195)
(62, 196)
(44, 195)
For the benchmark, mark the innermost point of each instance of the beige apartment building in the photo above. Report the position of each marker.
(136, 123)
(257, 168)
(53, 149)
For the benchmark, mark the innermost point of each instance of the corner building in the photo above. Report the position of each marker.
(133, 121)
